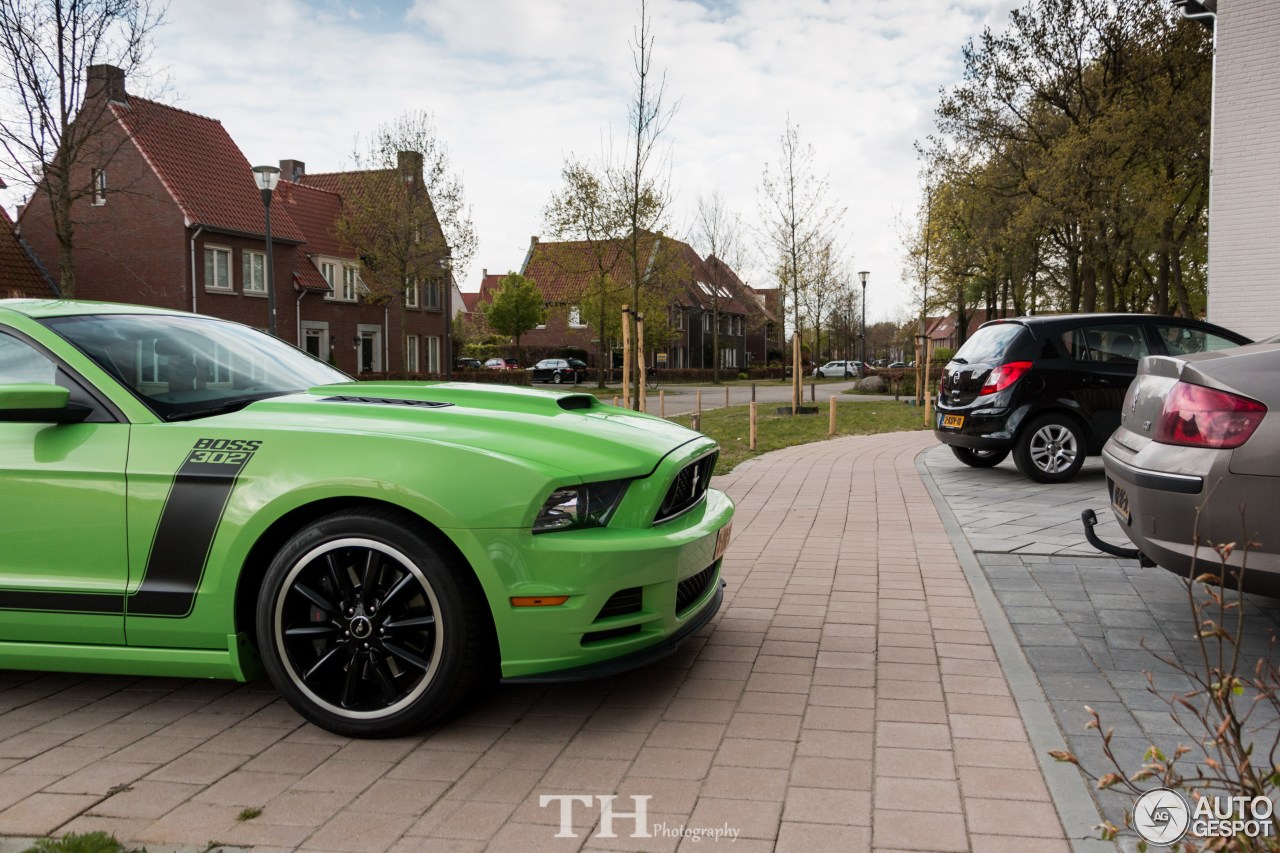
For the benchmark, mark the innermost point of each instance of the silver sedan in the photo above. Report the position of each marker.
(1195, 464)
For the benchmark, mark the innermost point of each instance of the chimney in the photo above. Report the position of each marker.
(410, 167)
(533, 241)
(108, 80)
(484, 273)
(292, 170)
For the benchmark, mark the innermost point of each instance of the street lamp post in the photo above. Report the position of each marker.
(266, 178)
(862, 276)
(446, 264)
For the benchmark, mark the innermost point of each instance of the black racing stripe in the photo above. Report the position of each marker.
(185, 533)
(65, 602)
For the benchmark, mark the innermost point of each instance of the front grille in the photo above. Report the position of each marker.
(689, 488)
(622, 603)
(691, 589)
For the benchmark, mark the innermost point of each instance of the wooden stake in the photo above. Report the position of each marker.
(699, 409)
(797, 393)
(662, 404)
(928, 398)
(615, 399)
(641, 365)
(726, 396)
(753, 425)
(831, 419)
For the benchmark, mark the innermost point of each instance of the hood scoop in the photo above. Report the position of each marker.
(388, 401)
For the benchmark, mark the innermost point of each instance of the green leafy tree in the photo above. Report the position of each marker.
(516, 308)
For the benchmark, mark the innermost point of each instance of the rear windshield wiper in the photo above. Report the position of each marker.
(959, 360)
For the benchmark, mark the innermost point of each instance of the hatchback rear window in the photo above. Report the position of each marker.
(989, 343)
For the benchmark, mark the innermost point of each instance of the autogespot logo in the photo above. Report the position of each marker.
(1162, 816)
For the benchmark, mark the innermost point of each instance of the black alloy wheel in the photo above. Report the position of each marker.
(365, 629)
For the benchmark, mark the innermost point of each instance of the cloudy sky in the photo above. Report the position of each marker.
(518, 85)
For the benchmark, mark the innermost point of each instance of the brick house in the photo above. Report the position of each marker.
(20, 275)
(177, 221)
(566, 271)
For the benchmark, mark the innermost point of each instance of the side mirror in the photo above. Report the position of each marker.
(38, 402)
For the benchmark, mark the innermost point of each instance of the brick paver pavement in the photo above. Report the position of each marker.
(846, 698)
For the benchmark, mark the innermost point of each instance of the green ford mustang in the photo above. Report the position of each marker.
(185, 496)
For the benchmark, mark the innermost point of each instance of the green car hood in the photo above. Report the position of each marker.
(562, 430)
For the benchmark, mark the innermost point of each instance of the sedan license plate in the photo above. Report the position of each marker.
(1120, 503)
(722, 540)
(952, 421)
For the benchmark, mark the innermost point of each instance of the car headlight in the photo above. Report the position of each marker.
(576, 507)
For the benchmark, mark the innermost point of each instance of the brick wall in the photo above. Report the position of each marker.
(1244, 213)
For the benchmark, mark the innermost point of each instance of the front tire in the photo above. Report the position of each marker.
(367, 628)
(1050, 449)
(979, 458)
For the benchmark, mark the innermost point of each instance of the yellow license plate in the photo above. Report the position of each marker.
(953, 421)
(1120, 503)
(722, 540)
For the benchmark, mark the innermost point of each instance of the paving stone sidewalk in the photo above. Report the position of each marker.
(1090, 626)
(846, 698)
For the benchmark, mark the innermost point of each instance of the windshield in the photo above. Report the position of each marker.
(184, 367)
(988, 344)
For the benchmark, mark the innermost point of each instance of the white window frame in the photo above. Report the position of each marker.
(411, 293)
(99, 187)
(575, 318)
(706, 322)
(212, 254)
(250, 282)
(350, 283)
(321, 328)
(412, 363)
(433, 354)
(431, 295)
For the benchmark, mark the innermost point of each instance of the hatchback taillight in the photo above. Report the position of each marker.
(1195, 416)
(1003, 376)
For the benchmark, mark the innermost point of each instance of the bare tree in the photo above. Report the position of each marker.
(798, 222)
(717, 235)
(49, 123)
(642, 183)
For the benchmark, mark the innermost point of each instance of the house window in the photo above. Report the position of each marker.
(217, 268)
(253, 272)
(350, 283)
(433, 355)
(575, 317)
(706, 321)
(99, 187)
(431, 295)
(411, 353)
(330, 273)
(411, 293)
(148, 363)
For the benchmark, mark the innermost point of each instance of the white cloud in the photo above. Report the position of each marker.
(515, 85)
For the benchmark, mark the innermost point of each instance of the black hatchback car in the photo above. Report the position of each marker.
(1050, 388)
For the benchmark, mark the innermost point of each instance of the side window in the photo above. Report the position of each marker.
(1110, 343)
(20, 362)
(1183, 340)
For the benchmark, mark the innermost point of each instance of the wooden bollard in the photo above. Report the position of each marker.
(696, 423)
(699, 407)
(753, 426)
(615, 400)
(662, 404)
(831, 425)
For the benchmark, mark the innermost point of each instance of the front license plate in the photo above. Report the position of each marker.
(952, 421)
(1120, 503)
(722, 540)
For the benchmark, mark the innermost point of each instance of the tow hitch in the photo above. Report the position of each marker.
(1090, 520)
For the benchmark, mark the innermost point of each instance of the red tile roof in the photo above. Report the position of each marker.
(19, 275)
(471, 300)
(564, 270)
(315, 212)
(202, 168)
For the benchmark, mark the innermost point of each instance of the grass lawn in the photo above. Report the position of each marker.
(731, 426)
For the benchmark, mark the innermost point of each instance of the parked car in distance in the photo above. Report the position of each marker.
(468, 364)
(1197, 458)
(188, 497)
(1049, 389)
(894, 365)
(502, 364)
(840, 369)
(556, 370)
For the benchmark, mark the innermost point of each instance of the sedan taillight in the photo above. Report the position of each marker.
(1195, 416)
(1003, 376)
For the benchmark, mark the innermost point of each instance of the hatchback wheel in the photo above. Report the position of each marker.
(1050, 449)
(366, 629)
(557, 378)
(979, 458)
